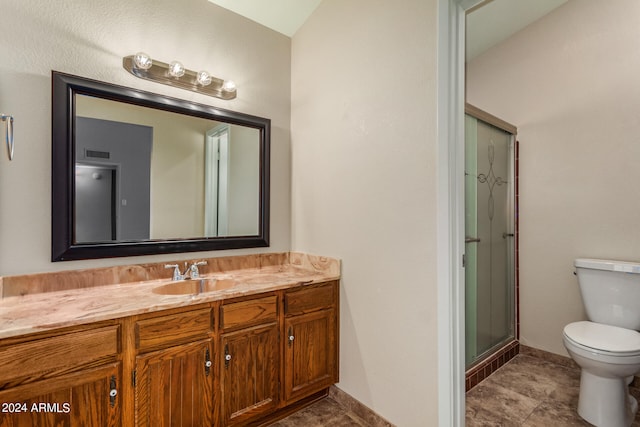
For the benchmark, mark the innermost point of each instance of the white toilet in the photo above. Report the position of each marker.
(607, 347)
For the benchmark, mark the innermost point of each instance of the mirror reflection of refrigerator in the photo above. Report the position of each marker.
(95, 203)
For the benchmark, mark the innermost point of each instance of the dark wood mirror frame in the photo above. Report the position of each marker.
(63, 245)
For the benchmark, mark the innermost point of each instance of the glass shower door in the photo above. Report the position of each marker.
(489, 225)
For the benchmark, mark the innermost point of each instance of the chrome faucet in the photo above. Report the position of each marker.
(191, 272)
(194, 273)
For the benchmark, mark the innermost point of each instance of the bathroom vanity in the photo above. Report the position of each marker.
(253, 340)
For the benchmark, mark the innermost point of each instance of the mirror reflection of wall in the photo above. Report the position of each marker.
(176, 172)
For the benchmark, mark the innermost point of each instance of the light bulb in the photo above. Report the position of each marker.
(176, 69)
(229, 86)
(142, 61)
(204, 78)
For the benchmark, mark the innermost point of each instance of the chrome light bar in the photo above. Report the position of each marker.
(176, 75)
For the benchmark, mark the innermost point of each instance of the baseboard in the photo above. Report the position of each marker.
(347, 401)
(482, 370)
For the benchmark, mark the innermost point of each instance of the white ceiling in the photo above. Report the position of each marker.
(498, 20)
(487, 26)
(284, 16)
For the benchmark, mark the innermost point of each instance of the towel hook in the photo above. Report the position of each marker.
(8, 133)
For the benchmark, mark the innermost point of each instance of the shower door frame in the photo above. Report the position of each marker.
(498, 123)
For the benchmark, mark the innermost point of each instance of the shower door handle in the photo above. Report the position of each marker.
(471, 239)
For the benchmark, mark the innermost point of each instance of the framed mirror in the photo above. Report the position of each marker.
(137, 173)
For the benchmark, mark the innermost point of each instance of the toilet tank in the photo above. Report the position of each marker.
(610, 291)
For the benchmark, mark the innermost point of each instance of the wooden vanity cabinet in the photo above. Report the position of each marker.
(79, 399)
(242, 361)
(73, 378)
(174, 375)
(249, 359)
(311, 340)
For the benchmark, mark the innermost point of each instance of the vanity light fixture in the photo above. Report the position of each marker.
(142, 61)
(204, 78)
(176, 69)
(229, 86)
(175, 74)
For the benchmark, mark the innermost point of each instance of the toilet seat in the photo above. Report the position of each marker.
(603, 339)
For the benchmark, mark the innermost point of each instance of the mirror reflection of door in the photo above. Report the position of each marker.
(124, 147)
(95, 203)
(216, 209)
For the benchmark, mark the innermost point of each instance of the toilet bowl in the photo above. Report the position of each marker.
(607, 347)
(608, 356)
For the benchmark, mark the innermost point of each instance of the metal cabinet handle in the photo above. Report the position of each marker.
(227, 356)
(113, 392)
(207, 362)
(472, 240)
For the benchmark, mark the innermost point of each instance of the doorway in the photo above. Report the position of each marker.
(95, 203)
(216, 181)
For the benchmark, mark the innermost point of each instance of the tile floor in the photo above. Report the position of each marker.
(529, 391)
(326, 412)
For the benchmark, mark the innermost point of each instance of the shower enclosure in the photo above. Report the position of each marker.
(490, 235)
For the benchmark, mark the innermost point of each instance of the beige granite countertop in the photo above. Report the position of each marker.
(41, 311)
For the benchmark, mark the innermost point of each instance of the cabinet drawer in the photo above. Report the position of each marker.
(173, 329)
(248, 313)
(311, 298)
(63, 352)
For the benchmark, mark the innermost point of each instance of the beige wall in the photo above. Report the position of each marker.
(364, 190)
(570, 84)
(89, 38)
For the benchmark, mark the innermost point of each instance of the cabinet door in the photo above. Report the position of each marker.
(85, 398)
(249, 373)
(311, 357)
(173, 387)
